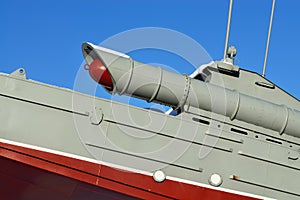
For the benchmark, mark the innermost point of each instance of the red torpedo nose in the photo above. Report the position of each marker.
(100, 74)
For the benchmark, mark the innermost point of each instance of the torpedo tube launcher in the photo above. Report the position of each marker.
(118, 73)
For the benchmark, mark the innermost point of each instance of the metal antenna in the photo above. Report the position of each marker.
(268, 40)
(228, 30)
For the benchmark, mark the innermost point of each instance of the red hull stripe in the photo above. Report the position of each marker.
(132, 183)
(22, 181)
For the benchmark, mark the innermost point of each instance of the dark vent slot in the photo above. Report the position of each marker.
(274, 141)
(201, 121)
(266, 85)
(239, 131)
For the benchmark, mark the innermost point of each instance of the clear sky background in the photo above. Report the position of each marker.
(45, 37)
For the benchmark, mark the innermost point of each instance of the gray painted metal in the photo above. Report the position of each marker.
(228, 29)
(43, 115)
(155, 84)
(268, 39)
(193, 145)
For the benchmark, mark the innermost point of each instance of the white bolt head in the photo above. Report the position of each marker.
(215, 180)
(159, 176)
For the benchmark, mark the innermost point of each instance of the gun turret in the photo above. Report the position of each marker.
(120, 74)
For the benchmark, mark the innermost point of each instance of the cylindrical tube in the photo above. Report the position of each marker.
(165, 87)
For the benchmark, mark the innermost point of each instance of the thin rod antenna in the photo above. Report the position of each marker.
(268, 40)
(228, 29)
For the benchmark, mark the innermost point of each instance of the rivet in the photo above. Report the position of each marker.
(159, 176)
(215, 180)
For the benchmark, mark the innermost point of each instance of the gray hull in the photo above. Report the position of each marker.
(191, 146)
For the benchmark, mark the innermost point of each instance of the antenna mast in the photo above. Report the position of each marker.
(228, 30)
(268, 40)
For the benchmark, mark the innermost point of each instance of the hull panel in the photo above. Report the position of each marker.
(28, 173)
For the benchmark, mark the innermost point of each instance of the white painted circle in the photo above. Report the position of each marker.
(159, 176)
(215, 180)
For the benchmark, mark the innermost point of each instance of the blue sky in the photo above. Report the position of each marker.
(45, 37)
